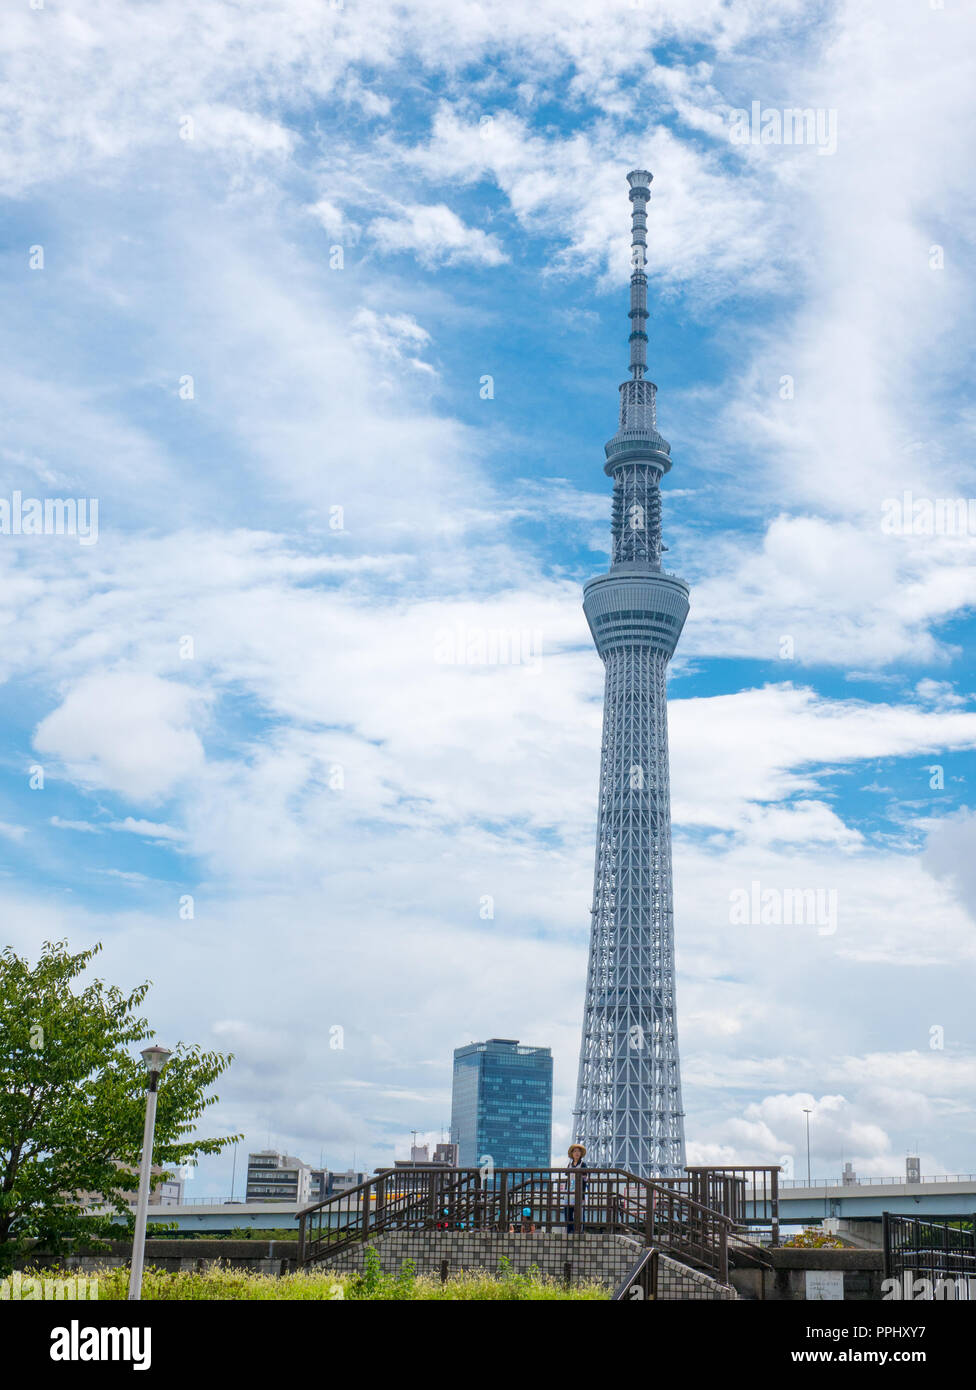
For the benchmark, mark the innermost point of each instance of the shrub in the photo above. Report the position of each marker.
(812, 1239)
(217, 1283)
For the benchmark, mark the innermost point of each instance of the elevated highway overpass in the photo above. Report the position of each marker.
(858, 1206)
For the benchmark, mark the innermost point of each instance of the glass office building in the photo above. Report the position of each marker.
(502, 1104)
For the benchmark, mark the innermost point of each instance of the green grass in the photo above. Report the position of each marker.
(217, 1283)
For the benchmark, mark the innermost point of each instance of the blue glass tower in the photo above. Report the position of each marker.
(502, 1104)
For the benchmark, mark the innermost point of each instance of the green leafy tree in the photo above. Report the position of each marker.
(72, 1097)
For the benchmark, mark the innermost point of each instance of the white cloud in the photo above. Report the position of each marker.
(436, 236)
(840, 594)
(335, 221)
(396, 336)
(786, 737)
(570, 188)
(775, 1127)
(939, 693)
(949, 855)
(85, 827)
(150, 829)
(159, 65)
(240, 132)
(126, 731)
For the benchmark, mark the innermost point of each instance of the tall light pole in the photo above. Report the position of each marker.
(155, 1059)
(808, 1114)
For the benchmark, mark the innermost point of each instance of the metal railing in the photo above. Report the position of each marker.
(237, 1202)
(641, 1284)
(747, 1193)
(901, 1181)
(939, 1251)
(606, 1200)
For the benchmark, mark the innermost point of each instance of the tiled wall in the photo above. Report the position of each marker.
(591, 1258)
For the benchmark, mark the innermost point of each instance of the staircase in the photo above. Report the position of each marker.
(706, 1237)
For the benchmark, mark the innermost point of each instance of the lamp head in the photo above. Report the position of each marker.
(155, 1058)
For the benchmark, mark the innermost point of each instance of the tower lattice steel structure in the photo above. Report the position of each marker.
(628, 1099)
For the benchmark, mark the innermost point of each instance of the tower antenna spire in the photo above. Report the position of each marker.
(640, 192)
(638, 395)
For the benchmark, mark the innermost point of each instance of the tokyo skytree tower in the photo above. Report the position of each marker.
(628, 1099)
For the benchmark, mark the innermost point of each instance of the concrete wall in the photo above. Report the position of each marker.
(866, 1235)
(861, 1271)
(261, 1256)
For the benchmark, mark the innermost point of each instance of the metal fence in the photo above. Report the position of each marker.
(943, 1253)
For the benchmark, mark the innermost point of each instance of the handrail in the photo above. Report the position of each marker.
(350, 1191)
(897, 1181)
(641, 1284)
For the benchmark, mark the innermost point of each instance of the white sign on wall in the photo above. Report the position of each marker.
(824, 1283)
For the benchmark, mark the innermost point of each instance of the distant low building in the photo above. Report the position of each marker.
(276, 1177)
(342, 1182)
(444, 1156)
(168, 1193)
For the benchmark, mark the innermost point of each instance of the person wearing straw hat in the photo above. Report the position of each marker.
(577, 1159)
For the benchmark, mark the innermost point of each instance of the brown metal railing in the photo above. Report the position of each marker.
(510, 1199)
(747, 1193)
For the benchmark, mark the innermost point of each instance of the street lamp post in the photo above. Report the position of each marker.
(808, 1114)
(155, 1059)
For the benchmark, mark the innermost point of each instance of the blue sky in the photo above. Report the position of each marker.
(337, 801)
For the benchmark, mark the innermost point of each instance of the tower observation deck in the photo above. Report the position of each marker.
(628, 1101)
